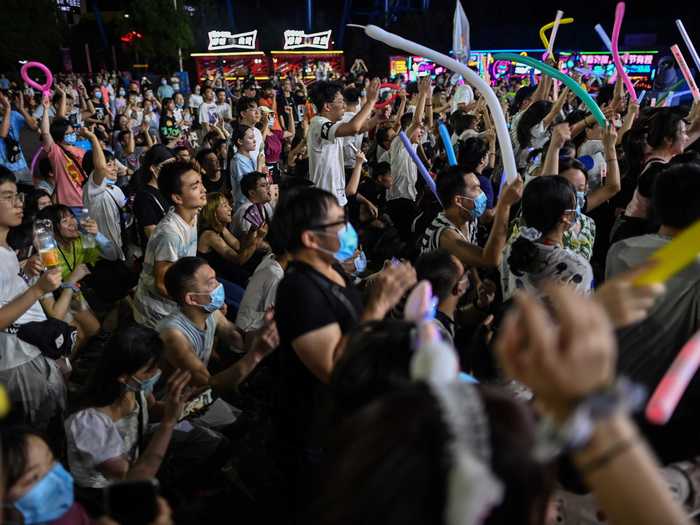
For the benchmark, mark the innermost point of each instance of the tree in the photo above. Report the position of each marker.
(164, 30)
(32, 30)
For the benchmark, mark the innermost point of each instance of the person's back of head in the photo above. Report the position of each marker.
(440, 269)
(245, 103)
(545, 200)
(170, 178)
(471, 153)
(523, 94)
(532, 116)
(676, 197)
(351, 95)
(299, 210)
(663, 127)
(400, 448)
(406, 120)
(462, 121)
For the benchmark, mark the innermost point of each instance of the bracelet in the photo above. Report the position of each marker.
(70, 286)
(609, 455)
(611, 160)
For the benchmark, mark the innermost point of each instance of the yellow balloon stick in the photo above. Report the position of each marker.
(4, 402)
(543, 37)
(673, 257)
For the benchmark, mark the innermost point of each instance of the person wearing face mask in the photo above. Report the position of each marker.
(463, 204)
(311, 226)
(164, 90)
(38, 488)
(188, 336)
(106, 436)
(120, 101)
(58, 141)
(538, 254)
(196, 98)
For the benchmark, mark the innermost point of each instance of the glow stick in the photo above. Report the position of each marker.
(550, 25)
(447, 142)
(671, 388)
(673, 257)
(686, 72)
(619, 15)
(657, 102)
(469, 76)
(641, 96)
(567, 80)
(419, 164)
(689, 44)
(673, 97)
(45, 88)
(555, 28)
(604, 37)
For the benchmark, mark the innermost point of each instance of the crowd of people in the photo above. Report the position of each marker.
(214, 289)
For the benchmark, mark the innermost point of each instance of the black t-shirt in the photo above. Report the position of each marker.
(216, 186)
(306, 301)
(149, 208)
(647, 179)
(373, 192)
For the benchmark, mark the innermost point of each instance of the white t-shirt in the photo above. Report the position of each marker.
(404, 172)
(172, 239)
(349, 154)
(259, 144)
(104, 203)
(259, 294)
(208, 113)
(195, 101)
(326, 167)
(14, 351)
(240, 225)
(224, 111)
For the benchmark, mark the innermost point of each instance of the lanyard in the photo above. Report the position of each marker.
(64, 256)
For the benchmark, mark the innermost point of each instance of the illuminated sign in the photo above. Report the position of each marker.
(225, 40)
(298, 39)
(72, 6)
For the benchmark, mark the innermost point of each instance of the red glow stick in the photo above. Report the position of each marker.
(670, 390)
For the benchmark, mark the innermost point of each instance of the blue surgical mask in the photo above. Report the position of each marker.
(347, 237)
(70, 138)
(98, 95)
(479, 205)
(49, 499)
(146, 386)
(217, 299)
(110, 182)
(122, 92)
(360, 263)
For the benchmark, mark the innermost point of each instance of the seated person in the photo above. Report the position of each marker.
(256, 189)
(188, 334)
(538, 254)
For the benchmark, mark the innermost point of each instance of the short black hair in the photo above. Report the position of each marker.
(239, 132)
(170, 178)
(245, 103)
(520, 96)
(352, 95)
(380, 168)
(299, 210)
(676, 196)
(250, 181)
(471, 152)
(406, 120)
(219, 90)
(58, 129)
(324, 93)
(449, 183)
(382, 134)
(89, 163)
(201, 154)
(179, 278)
(439, 269)
(7, 176)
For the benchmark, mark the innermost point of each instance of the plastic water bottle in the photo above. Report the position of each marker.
(45, 242)
(88, 238)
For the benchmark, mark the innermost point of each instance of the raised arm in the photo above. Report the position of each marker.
(61, 111)
(560, 134)
(354, 182)
(98, 156)
(423, 88)
(6, 109)
(46, 140)
(556, 108)
(29, 119)
(612, 184)
(355, 125)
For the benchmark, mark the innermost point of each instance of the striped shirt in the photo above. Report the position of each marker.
(431, 238)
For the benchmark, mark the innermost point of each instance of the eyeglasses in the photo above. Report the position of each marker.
(328, 225)
(13, 199)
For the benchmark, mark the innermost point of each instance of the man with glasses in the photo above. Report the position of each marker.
(34, 382)
(326, 164)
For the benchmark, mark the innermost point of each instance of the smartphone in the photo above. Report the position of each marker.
(132, 502)
(198, 404)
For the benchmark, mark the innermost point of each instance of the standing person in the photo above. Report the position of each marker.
(326, 166)
(208, 113)
(244, 161)
(174, 237)
(196, 99)
(223, 108)
(353, 143)
(401, 198)
(249, 115)
(33, 381)
(11, 152)
(66, 160)
(164, 90)
(312, 227)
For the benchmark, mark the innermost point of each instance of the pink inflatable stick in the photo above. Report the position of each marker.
(619, 15)
(686, 72)
(45, 88)
(670, 390)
